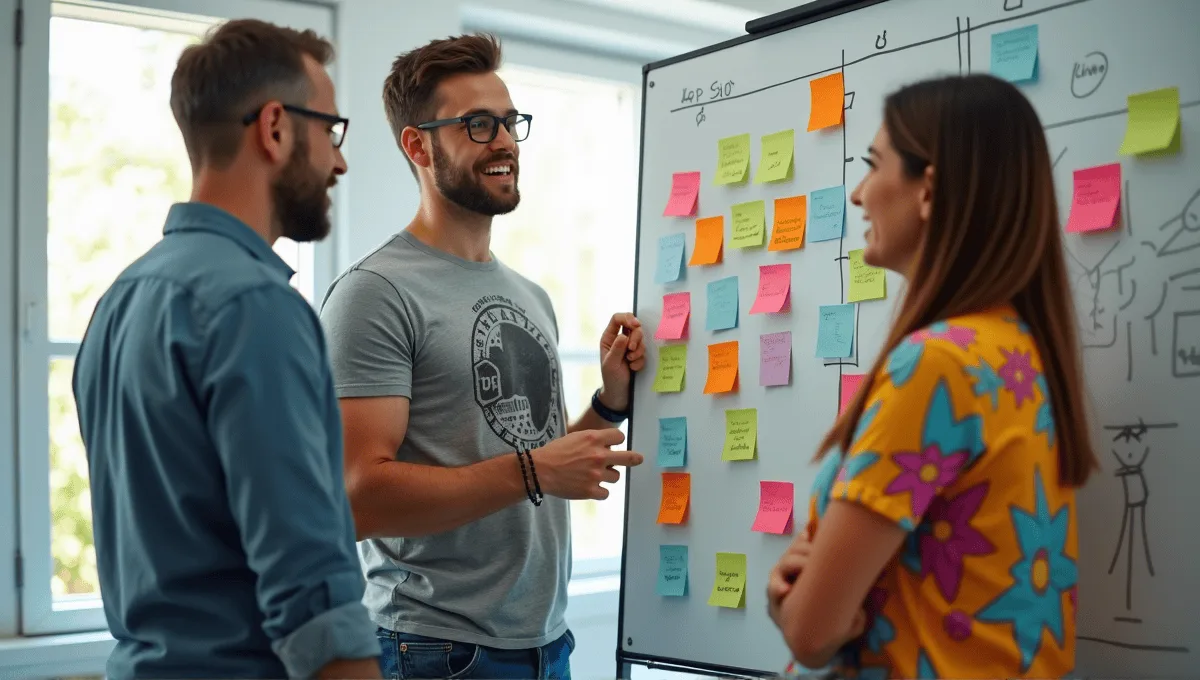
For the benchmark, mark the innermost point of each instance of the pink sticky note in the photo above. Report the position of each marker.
(774, 508)
(774, 288)
(685, 189)
(1096, 199)
(850, 385)
(775, 359)
(676, 309)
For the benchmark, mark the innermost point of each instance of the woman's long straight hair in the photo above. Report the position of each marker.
(993, 237)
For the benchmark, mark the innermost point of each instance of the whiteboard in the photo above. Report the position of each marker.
(1137, 292)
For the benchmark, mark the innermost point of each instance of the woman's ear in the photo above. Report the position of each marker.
(927, 194)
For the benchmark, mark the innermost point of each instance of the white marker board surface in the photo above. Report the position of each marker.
(1137, 288)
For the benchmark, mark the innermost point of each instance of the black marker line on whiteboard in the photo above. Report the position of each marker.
(958, 39)
(968, 45)
(1130, 645)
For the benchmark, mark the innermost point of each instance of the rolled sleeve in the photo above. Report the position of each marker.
(343, 632)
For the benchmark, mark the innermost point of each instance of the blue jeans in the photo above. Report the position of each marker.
(404, 656)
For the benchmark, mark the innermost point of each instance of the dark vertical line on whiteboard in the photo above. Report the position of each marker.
(958, 39)
(842, 240)
(968, 44)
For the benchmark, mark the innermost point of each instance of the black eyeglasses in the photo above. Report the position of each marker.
(482, 127)
(338, 125)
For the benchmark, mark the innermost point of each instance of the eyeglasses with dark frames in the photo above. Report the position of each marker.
(338, 125)
(482, 127)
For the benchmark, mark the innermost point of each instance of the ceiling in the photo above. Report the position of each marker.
(763, 6)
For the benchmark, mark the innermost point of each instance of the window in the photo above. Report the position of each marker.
(573, 234)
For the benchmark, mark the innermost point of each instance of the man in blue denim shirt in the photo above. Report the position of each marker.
(224, 539)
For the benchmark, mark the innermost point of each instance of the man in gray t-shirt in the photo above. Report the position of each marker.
(460, 461)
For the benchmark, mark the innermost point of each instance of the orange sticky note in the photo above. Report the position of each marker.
(722, 368)
(676, 491)
(828, 101)
(685, 189)
(775, 503)
(791, 215)
(677, 307)
(710, 236)
(1096, 199)
(774, 288)
(850, 384)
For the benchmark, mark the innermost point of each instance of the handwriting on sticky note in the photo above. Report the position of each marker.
(775, 359)
(729, 587)
(672, 442)
(733, 159)
(1015, 54)
(835, 332)
(672, 365)
(826, 213)
(774, 289)
(828, 101)
(672, 570)
(722, 368)
(749, 224)
(710, 235)
(1153, 123)
(670, 257)
(776, 161)
(722, 304)
(677, 307)
(741, 434)
(866, 282)
(790, 219)
(1096, 199)
(685, 190)
(775, 505)
(850, 384)
(676, 492)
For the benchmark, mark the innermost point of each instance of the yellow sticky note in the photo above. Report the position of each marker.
(1153, 123)
(710, 236)
(733, 159)
(866, 282)
(672, 366)
(791, 214)
(676, 492)
(729, 588)
(749, 224)
(828, 97)
(741, 434)
(776, 161)
(722, 368)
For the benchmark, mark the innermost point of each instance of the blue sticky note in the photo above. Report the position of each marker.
(1015, 54)
(835, 332)
(672, 442)
(826, 213)
(722, 304)
(672, 570)
(670, 258)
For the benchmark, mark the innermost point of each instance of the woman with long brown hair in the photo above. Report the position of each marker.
(942, 533)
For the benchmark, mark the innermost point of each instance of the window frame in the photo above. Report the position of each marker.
(8, 327)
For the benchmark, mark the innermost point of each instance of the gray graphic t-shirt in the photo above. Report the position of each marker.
(474, 348)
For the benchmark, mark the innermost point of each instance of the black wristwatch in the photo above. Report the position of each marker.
(606, 412)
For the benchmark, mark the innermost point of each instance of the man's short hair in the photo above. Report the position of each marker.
(240, 65)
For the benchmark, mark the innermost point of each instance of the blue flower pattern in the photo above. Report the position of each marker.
(1044, 424)
(948, 433)
(987, 381)
(925, 670)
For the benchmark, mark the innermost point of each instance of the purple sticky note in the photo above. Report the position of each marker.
(775, 363)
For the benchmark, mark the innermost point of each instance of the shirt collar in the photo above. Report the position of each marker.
(194, 216)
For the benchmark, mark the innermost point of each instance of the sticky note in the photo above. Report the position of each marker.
(775, 502)
(787, 233)
(775, 359)
(733, 159)
(776, 161)
(710, 235)
(774, 289)
(722, 304)
(685, 190)
(722, 368)
(1153, 123)
(677, 307)
(749, 224)
(670, 258)
(672, 365)
(826, 213)
(850, 385)
(729, 587)
(1015, 54)
(676, 490)
(835, 332)
(866, 282)
(672, 570)
(1096, 198)
(672, 442)
(741, 434)
(828, 104)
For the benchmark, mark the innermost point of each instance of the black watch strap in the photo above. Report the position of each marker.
(606, 412)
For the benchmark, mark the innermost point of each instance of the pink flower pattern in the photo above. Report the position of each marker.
(961, 336)
(924, 474)
(951, 538)
(1018, 375)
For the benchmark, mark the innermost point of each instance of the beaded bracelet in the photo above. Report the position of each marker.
(533, 498)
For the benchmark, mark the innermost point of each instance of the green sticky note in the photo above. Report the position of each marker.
(749, 224)
(672, 365)
(1153, 123)
(866, 282)
(672, 570)
(733, 159)
(741, 434)
(776, 161)
(729, 587)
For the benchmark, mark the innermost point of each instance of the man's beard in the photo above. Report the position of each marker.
(299, 196)
(461, 187)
